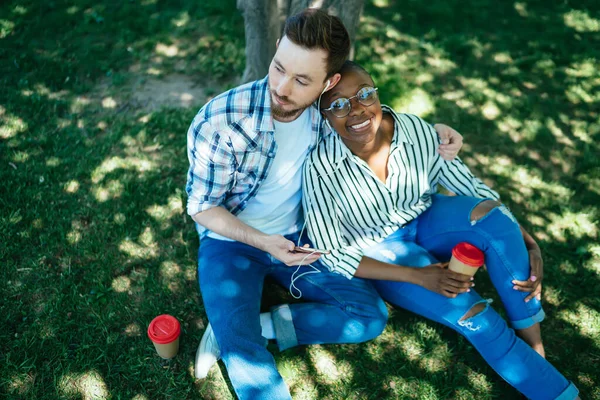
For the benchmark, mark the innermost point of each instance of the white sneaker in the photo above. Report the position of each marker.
(207, 355)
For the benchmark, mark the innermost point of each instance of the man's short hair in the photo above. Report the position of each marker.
(314, 28)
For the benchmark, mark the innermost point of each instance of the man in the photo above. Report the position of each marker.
(246, 149)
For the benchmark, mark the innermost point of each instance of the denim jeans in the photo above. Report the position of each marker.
(430, 238)
(335, 310)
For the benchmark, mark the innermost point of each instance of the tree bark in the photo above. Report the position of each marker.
(263, 23)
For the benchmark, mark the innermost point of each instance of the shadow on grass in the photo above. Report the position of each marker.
(93, 203)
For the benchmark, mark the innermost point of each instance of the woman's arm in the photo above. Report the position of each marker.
(434, 277)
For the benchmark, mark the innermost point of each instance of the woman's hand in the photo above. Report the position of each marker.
(534, 283)
(439, 279)
(451, 141)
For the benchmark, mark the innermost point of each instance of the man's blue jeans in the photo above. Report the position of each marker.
(336, 310)
(430, 238)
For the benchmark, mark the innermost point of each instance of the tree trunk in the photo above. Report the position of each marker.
(263, 23)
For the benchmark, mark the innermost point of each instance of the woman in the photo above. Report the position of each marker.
(369, 198)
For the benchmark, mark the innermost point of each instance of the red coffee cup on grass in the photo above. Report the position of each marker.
(466, 259)
(164, 332)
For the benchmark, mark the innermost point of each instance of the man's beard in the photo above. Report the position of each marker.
(280, 113)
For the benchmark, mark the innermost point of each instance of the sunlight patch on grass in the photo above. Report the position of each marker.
(182, 19)
(443, 65)
(490, 110)
(53, 162)
(21, 384)
(167, 50)
(79, 104)
(558, 133)
(89, 385)
(581, 21)
(121, 284)
(576, 224)
(576, 94)
(73, 237)
(190, 272)
(109, 102)
(552, 295)
(146, 249)
(503, 58)
(47, 332)
(119, 218)
(521, 9)
(328, 367)
(140, 397)
(71, 187)
(568, 268)
(586, 319)
(416, 102)
(112, 190)
(412, 389)
(133, 330)
(527, 181)
(164, 213)
(594, 263)
(583, 69)
(11, 125)
(19, 10)
(381, 3)
(6, 28)
(169, 269)
(436, 359)
(115, 163)
(412, 348)
(479, 381)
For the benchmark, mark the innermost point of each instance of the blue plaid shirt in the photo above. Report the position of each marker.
(231, 147)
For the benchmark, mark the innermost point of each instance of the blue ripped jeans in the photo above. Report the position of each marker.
(430, 238)
(335, 310)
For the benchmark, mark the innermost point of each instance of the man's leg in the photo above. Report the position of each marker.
(336, 309)
(231, 278)
(472, 317)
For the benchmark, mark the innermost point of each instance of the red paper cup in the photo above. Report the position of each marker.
(466, 259)
(164, 332)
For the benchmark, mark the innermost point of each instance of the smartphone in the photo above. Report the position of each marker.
(309, 250)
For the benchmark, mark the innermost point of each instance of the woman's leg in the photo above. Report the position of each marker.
(471, 316)
(492, 228)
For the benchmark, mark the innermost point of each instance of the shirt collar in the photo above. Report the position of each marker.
(337, 151)
(262, 119)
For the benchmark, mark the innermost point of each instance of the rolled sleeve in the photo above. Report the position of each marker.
(212, 167)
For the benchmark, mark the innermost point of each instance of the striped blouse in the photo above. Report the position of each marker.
(348, 209)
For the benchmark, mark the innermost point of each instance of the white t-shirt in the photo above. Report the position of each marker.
(277, 208)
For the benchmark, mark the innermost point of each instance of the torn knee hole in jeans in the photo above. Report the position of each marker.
(483, 209)
(466, 321)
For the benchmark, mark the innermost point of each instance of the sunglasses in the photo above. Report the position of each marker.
(341, 107)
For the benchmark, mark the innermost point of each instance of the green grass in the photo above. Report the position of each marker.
(95, 241)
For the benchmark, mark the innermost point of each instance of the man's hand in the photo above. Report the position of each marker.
(437, 278)
(283, 250)
(451, 140)
(534, 283)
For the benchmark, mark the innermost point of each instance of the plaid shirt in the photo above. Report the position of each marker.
(231, 147)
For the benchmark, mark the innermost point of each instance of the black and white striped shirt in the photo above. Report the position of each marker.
(348, 209)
